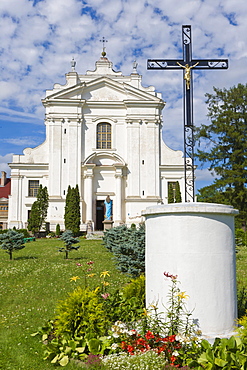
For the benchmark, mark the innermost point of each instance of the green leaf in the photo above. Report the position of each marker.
(94, 345)
(44, 337)
(64, 361)
(54, 360)
(220, 362)
(232, 343)
(80, 349)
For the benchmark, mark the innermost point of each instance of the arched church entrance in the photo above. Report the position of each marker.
(103, 176)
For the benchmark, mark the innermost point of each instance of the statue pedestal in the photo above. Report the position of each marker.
(107, 224)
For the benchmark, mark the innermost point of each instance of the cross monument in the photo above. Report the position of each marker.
(188, 64)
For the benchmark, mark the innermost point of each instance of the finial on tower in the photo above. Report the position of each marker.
(103, 41)
(73, 64)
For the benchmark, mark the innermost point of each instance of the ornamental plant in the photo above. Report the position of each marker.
(128, 248)
(176, 338)
(11, 241)
(69, 240)
(84, 324)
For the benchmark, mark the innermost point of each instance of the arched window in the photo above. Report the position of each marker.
(104, 136)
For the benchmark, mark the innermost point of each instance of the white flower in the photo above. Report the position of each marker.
(114, 346)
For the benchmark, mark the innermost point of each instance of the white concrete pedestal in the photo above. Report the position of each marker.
(196, 242)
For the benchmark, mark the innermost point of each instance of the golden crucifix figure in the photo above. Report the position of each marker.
(187, 75)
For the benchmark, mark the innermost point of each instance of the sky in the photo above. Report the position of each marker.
(39, 38)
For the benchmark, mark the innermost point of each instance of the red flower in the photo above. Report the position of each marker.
(172, 338)
(130, 349)
(173, 359)
(173, 277)
(149, 335)
(124, 345)
(141, 342)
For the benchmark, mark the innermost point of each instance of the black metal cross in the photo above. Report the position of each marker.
(188, 64)
(103, 41)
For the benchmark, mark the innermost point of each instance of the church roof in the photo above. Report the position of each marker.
(6, 189)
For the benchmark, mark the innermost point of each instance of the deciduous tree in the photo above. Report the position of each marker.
(225, 147)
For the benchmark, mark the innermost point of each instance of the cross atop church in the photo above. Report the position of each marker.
(103, 42)
(187, 64)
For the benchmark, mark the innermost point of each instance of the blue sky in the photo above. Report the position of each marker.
(40, 37)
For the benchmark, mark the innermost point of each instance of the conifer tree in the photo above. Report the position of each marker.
(39, 210)
(170, 193)
(72, 214)
(225, 148)
(178, 198)
(69, 240)
(11, 241)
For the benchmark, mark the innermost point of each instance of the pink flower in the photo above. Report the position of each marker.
(105, 295)
(78, 264)
(90, 262)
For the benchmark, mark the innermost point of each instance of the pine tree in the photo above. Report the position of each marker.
(11, 241)
(39, 210)
(178, 198)
(72, 215)
(225, 147)
(69, 240)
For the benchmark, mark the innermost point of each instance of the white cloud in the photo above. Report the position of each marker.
(27, 141)
(4, 160)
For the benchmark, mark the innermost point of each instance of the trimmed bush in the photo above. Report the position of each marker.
(128, 247)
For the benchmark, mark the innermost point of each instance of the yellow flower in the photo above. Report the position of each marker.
(145, 312)
(105, 283)
(182, 295)
(153, 307)
(74, 278)
(104, 274)
(91, 275)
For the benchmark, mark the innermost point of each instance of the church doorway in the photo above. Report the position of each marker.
(99, 214)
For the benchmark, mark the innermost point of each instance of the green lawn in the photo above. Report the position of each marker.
(33, 283)
(30, 287)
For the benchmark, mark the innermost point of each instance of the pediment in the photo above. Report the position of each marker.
(102, 89)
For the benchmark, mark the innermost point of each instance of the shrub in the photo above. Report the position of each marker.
(128, 248)
(58, 231)
(80, 314)
(24, 232)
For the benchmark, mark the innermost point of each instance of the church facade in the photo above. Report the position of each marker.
(104, 133)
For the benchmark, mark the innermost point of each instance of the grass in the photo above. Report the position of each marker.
(36, 279)
(30, 287)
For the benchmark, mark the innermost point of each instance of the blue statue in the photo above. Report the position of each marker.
(108, 208)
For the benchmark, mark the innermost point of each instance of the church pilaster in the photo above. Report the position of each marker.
(119, 198)
(88, 191)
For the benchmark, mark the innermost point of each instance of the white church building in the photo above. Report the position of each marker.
(104, 133)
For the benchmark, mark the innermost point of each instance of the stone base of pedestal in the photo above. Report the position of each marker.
(107, 224)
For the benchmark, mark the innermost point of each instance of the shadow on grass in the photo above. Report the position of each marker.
(25, 258)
